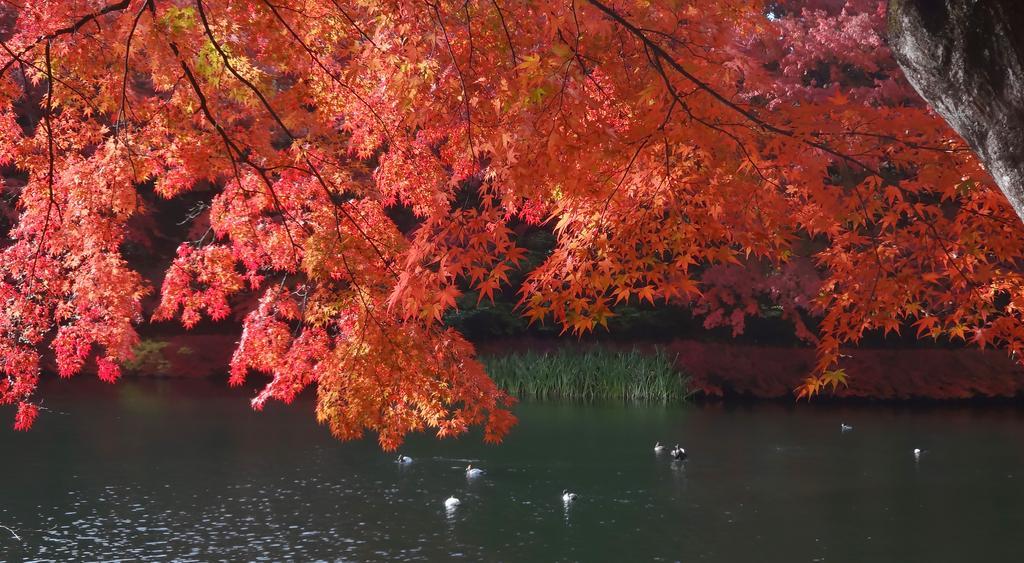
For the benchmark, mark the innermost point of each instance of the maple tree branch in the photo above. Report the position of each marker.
(50, 154)
(656, 63)
(81, 22)
(231, 68)
(469, 33)
(971, 285)
(579, 58)
(660, 53)
(233, 149)
(127, 55)
(334, 76)
(1013, 224)
(906, 143)
(115, 7)
(462, 80)
(366, 306)
(355, 24)
(576, 47)
(625, 173)
(280, 122)
(56, 79)
(120, 120)
(508, 36)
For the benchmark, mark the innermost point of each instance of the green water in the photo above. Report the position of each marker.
(173, 471)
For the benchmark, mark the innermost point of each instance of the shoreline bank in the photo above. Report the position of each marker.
(713, 370)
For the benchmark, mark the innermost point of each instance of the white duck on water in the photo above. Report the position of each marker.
(403, 459)
(658, 447)
(451, 503)
(843, 427)
(473, 471)
(568, 497)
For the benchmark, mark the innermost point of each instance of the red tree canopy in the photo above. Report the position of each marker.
(715, 153)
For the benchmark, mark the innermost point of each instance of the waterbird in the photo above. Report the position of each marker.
(845, 427)
(678, 454)
(403, 459)
(473, 471)
(567, 496)
(658, 447)
(451, 503)
(917, 453)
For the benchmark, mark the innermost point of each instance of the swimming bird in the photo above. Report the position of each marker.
(473, 471)
(567, 496)
(403, 459)
(451, 503)
(678, 454)
(843, 427)
(917, 453)
(658, 447)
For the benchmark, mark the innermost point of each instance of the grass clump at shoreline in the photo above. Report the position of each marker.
(589, 375)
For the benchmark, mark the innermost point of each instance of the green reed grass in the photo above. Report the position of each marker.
(589, 375)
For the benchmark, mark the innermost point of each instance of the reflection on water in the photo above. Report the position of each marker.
(187, 471)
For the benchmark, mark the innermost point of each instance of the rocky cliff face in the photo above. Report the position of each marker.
(966, 57)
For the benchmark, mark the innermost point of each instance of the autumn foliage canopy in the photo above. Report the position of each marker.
(712, 153)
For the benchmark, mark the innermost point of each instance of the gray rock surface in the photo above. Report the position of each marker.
(966, 58)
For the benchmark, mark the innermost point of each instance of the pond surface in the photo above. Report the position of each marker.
(185, 471)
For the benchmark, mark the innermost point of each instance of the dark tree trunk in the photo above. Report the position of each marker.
(966, 58)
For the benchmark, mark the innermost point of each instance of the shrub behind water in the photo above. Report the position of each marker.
(594, 374)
